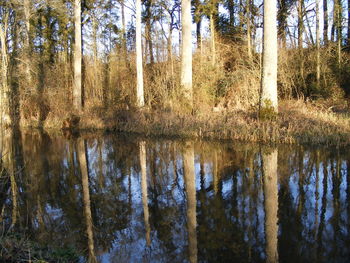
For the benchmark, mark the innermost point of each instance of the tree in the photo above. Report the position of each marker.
(5, 92)
(186, 52)
(325, 22)
(77, 86)
(139, 70)
(318, 66)
(268, 96)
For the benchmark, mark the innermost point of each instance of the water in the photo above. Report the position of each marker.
(118, 198)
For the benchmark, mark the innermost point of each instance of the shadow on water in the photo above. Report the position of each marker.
(116, 198)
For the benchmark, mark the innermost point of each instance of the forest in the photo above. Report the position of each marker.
(270, 71)
(167, 130)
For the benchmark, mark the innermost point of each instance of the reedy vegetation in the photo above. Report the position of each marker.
(39, 41)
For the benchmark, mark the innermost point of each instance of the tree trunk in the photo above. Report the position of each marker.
(231, 11)
(186, 51)
(198, 33)
(249, 41)
(348, 41)
(338, 24)
(318, 65)
(94, 40)
(125, 50)
(269, 71)
(5, 82)
(197, 16)
(282, 25)
(190, 185)
(212, 39)
(300, 23)
(77, 86)
(27, 41)
(143, 165)
(325, 22)
(139, 70)
(271, 204)
(148, 29)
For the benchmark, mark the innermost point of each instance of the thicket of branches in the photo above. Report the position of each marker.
(37, 70)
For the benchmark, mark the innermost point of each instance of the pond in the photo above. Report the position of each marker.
(123, 198)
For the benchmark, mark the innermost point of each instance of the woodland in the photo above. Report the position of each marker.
(271, 71)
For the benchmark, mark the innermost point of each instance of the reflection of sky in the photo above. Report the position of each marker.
(239, 206)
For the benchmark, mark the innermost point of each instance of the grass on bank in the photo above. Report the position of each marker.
(297, 122)
(225, 98)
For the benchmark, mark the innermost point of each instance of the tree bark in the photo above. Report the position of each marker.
(318, 65)
(27, 48)
(186, 51)
(212, 40)
(148, 30)
(5, 85)
(282, 19)
(139, 70)
(269, 70)
(300, 23)
(249, 41)
(77, 88)
(325, 22)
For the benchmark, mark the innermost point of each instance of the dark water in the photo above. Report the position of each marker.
(125, 199)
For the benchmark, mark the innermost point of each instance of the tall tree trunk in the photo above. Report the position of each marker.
(318, 65)
(300, 23)
(348, 41)
(338, 24)
(139, 70)
(212, 40)
(82, 157)
(186, 51)
(27, 48)
(77, 86)
(94, 40)
(271, 204)
(190, 185)
(5, 80)
(198, 20)
(143, 165)
(231, 11)
(301, 40)
(199, 34)
(249, 41)
(282, 19)
(125, 50)
(325, 22)
(148, 30)
(268, 96)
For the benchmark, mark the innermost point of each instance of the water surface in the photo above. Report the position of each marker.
(118, 198)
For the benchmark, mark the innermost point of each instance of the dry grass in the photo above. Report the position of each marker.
(297, 122)
(225, 98)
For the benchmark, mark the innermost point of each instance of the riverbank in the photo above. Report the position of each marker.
(325, 123)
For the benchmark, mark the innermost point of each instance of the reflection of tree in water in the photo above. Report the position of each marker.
(229, 194)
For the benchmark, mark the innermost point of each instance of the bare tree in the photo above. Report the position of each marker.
(186, 51)
(139, 69)
(268, 96)
(77, 86)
